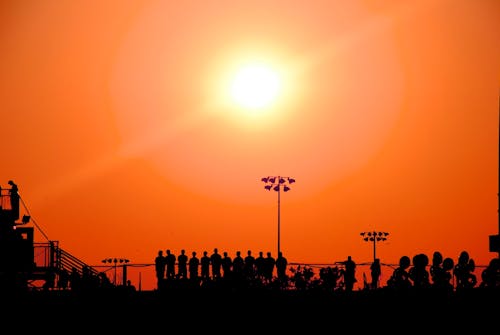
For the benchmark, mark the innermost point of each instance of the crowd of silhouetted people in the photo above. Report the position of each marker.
(418, 272)
(264, 271)
(217, 268)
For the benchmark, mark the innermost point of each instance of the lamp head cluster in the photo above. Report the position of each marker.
(276, 182)
(374, 236)
(115, 260)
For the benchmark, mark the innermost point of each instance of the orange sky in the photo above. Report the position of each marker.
(116, 130)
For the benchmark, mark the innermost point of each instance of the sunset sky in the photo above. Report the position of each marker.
(119, 127)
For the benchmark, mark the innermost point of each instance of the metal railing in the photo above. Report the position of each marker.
(50, 261)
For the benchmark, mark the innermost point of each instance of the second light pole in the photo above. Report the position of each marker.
(115, 261)
(277, 183)
(374, 237)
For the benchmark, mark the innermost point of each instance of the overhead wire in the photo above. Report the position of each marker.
(33, 219)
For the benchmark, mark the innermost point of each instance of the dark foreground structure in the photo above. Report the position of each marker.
(257, 311)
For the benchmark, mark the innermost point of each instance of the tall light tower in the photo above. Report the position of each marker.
(277, 183)
(495, 239)
(115, 261)
(374, 237)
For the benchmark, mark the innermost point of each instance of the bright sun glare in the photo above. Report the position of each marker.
(255, 86)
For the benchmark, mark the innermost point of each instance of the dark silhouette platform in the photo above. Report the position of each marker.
(257, 310)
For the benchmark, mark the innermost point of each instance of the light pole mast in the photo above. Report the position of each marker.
(115, 262)
(374, 236)
(497, 238)
(494, 240)
(277, 183)
(279, 221)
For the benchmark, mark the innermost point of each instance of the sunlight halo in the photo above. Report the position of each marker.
(255, 86)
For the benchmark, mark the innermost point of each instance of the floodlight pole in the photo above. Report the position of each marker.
(374, 249)
(374, 236)
(498, 190)
(115, 262)
(276, 183)
(497, 237)
(279, 221)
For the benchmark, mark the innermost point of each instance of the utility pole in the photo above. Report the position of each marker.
(495, 239)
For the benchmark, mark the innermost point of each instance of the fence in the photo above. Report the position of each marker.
(143, 276)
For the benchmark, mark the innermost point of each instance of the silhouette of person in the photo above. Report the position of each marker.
(249, 265)
(281, 264)
(490, 276)
(160, 268)
(75, 280)
(349, 273)
(238, 266)
(14, 190)
(194, 263)
(216, 261)
(260, 265)
(170, 263)
(375, 272)
(182, 265)
(227, 264)
(269, 265)
(440, 272)
(63, 280)
(86, 278)
(418, 273)
(448, 265)
(14, 198)
(436, 268)
(464, 271)
(205, 266)
(399, 279)
(50, 280)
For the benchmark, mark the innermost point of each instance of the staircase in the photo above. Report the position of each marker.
(54, 266)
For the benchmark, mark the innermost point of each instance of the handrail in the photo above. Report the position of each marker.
(68, 262)
(55, 258)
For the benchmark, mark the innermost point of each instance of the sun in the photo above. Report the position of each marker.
(255, 86)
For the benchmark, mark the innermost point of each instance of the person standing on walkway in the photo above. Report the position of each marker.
(281, 264)
(182, 261)
(216, 261)
(249, 266)
(349, 273)
(205, 266)
(375, 271)
(194, 263)
(159, 268)
(269, 264)
(170, 262)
